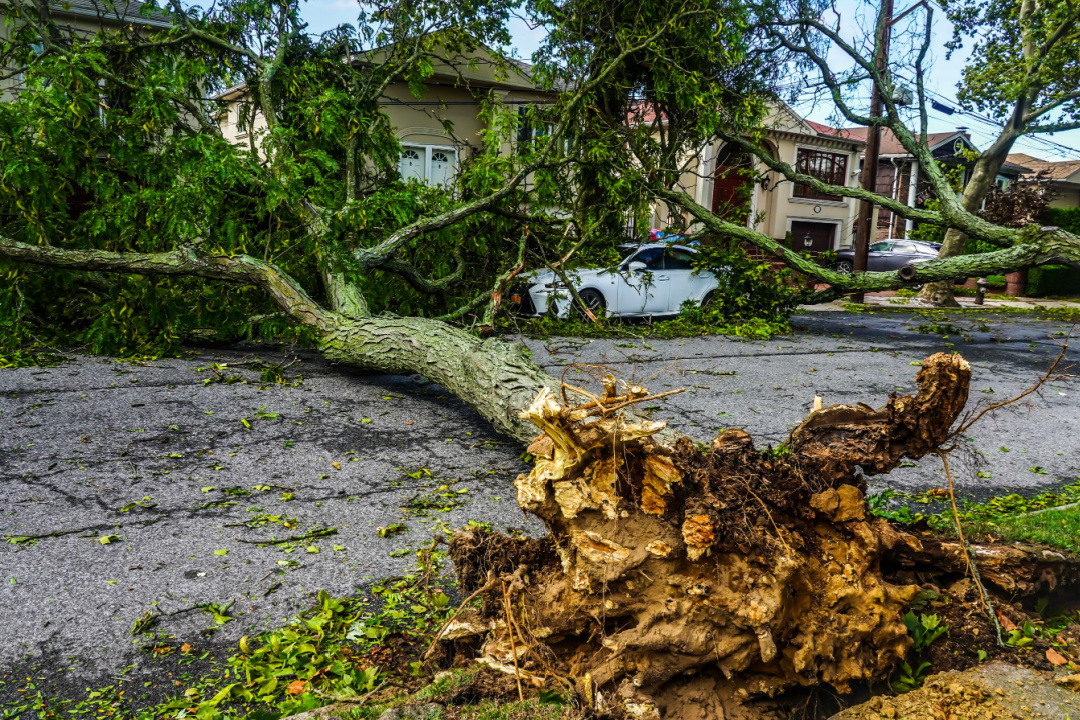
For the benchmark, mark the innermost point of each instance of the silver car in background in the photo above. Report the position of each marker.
(653, 279)
(888, 255)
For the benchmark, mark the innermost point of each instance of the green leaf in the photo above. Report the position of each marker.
(223, 551)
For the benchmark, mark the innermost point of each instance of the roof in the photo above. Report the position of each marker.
(519, 68)
(835, 132)
(1060, 170)
(890, 144)
(647, 114)
(120, 11)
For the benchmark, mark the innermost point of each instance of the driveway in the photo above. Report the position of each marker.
(186, 466)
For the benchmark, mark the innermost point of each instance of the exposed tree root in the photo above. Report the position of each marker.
(677, 582)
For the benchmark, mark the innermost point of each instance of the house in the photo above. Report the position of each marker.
(898, 175)
(83, 17)
(438, 130)
(1063, 176)
(726, 181)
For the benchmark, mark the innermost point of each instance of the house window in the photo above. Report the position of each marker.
(241, 120)
(528, 128)
(825, 166)
(434, 165)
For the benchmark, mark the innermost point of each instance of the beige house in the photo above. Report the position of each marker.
(453, 93)
(719, 178)
(84, 17)
(1064, 177)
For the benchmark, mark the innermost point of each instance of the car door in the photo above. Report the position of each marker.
(683, 284)
(903, 253)
(878, 257)
(636, 289)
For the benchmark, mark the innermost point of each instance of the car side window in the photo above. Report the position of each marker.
(904, 247)
(880, 247)
(652, 257)
(676, 259)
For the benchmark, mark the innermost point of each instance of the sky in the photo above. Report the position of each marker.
(940, 78)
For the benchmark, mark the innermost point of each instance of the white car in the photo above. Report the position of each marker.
(651, 279)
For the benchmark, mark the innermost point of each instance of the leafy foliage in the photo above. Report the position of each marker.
(924, 630)
(1010, 517)
(1003, 70)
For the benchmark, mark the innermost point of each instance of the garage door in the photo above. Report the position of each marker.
(817, 237)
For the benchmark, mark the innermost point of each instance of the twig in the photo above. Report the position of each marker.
(360, 700)
(968, 554)
(314, 534)
(767, 513)
(513, 648)
(647, 397)
(1048, 376)
(20, 539)
(595, 400)
(464, 603)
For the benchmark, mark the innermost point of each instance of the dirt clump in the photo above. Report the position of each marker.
(994, 691)
(675, 579)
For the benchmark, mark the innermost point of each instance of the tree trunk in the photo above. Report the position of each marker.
(495, 379)
(982, 181)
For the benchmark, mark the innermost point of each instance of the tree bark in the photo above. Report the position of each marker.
(495, 379)
(955, 242)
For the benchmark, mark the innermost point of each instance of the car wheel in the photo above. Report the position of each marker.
(844, 267)
(707, 300)
(593, 300)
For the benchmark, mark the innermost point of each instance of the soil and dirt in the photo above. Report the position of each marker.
(995, 691)
(678, 582)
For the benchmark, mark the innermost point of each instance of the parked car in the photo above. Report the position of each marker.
(650, 279)
(888, 255)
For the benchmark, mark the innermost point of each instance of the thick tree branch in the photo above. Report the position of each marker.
(284, 290)
(1035, 249)
(419, 282)
(892, 204)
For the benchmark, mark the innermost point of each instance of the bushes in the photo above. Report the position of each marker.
(1067, 219)
(1053, 280)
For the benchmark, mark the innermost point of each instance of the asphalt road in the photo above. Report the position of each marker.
(171, 458)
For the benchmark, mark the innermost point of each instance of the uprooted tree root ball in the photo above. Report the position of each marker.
(678, 582)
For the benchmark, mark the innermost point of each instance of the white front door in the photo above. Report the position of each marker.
(442, 167)
(412, 164)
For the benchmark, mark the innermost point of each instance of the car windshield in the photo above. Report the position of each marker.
(626, 251)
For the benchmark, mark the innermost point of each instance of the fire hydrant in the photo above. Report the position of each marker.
(980, 290)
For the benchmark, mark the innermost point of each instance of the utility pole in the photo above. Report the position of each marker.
(863, 228)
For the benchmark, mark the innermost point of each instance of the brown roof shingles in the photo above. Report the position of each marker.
(1061, 170)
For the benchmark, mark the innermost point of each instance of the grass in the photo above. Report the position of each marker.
(680, 326)
(1059, 528)
(1063, 314)
(1049, 518)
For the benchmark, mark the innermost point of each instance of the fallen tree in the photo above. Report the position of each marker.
(679, 582)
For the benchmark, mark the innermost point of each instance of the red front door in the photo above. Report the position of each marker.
(732, 186)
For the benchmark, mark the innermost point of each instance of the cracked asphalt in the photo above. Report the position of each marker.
(187, 477)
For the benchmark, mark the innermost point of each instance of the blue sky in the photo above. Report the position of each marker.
(940, 79)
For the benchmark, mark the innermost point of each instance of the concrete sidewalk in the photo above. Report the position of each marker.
(891, 300)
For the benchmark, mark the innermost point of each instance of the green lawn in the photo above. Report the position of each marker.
(1058, 528)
